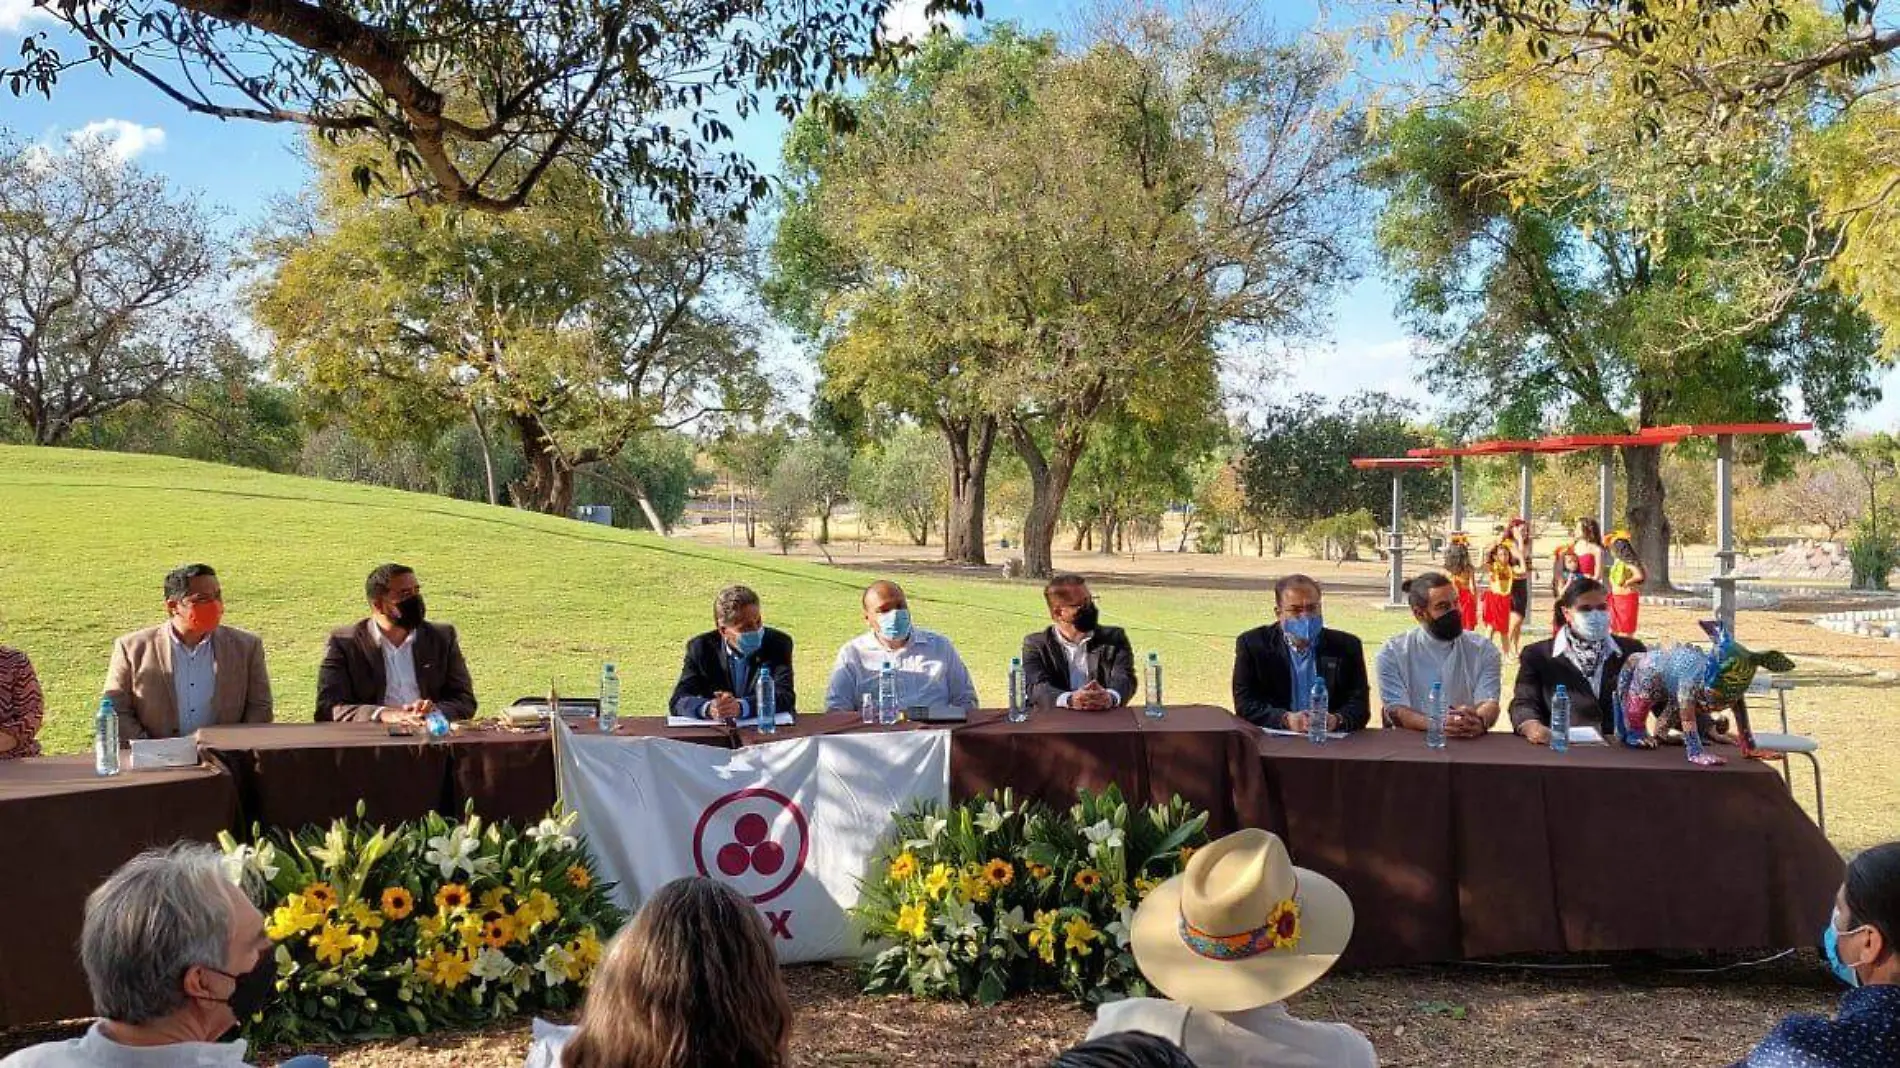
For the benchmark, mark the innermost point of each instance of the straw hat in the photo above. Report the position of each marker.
(1241, 927)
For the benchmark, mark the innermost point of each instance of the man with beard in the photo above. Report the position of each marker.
(394, 666)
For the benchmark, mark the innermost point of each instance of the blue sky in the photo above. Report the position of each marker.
(238, 167)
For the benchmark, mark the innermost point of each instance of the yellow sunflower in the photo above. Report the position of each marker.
(451, 897)
(912, 921)
(903, 867)
(578, 877)
(398, 903)
(1284, 922)
(999, 872)
(1077, 934)
(498, 929)
(1088, 880)
(1037, 871)
(320, 896)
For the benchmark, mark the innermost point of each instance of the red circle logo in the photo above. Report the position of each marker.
(754, 839)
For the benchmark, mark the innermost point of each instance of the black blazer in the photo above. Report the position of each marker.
(1046, 666)
(705, 673)
(1540, 670)
(351, 678)
(1263, 677)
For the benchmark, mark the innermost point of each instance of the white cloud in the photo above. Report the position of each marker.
(16, 14)
(904, 20)
(125, 141)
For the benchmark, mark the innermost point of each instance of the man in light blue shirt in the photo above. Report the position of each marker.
(929, 672)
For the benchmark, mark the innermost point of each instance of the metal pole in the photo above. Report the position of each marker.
(1395, 545)
(1724, 579)
(1606, 491)
(732, 513)
(1457, 494)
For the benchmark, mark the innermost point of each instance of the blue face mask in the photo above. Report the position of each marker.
(749, 641)
(1591, 626)
(894, 624)
(1831, 949)
(1303, 628)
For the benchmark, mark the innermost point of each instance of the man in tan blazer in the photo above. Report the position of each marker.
(190, 671)
(395, 666)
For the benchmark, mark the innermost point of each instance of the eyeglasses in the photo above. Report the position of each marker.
(1073, 609)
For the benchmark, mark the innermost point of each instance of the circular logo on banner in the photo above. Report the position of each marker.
(756, 840)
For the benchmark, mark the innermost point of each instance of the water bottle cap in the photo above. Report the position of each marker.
(608, 668)
(1562, 689)
(1153, 656)
(1015, 661)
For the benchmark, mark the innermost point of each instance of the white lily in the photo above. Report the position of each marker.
(990, 820)
(554, 964)
(1013, 921)
(557, 833)
(1103, 835)
(1123, 928)
(455, 851)
(492, 963)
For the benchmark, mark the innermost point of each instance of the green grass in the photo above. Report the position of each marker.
(86, 538)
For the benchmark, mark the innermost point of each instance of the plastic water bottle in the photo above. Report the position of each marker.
(437, 726)
(1318, 709)
(1435, 717)
(887, 695)
(1154, 709)
(609, 699)
(1560, 720)
(1018, 704)
(765, 702)
(105, 739)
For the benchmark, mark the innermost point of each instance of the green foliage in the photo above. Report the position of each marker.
(900, 480)
(1872, 554)
(662, 463)
(1297, 464)
(1341, 536)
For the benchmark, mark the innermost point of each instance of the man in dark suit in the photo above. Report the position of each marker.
(1275, 665)
(722, 667)
(1584, 658)
(394, 666)
(1076, 662)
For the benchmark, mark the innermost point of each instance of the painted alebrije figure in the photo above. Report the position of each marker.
(1682, 686)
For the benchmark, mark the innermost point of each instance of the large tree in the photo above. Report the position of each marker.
(1296, 466)
(637, 91)
(103, 276)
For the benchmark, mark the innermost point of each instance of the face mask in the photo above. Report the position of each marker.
(204, 618)
(1591, 626)
(894, 624)
(410, 612)
(1087, 617)
(254, 988)
(749, 641)
(1303, 628)
(1447, 626)
(1831, 948)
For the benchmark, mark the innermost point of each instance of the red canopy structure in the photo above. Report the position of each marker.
(1395, 536)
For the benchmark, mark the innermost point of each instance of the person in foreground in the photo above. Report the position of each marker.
(1125, 1049)
(395, 666)
(176, 957)
(1076, 662)
(22, 708)
(723, 665)
(1439, 650)
(1584, 658)
(1862, 945)
(1228, 941)
(1275, 665)
(692, 982)
(929, 672)
(190, 671)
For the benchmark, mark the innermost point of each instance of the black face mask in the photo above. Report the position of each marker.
(1086, 617)
(410, 612)
(253, 990)
(1447, 626)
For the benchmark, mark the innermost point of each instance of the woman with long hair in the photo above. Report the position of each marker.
(1592, 559)
(1565, 569)
(1517, 535)
(1501, 572)
(692, 982)
(1458, 568)
(1626, 585)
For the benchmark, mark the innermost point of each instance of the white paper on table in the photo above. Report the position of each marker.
(783, 719)
(1586, 736)
(150, 754)
(1278, 732)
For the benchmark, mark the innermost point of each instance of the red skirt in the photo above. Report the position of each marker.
(1497, 611)
(1468, 607)
(1623, 609)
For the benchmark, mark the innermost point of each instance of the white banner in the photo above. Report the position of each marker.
(789, 824)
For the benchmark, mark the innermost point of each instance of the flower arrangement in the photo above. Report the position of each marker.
(990, 898)
(435, 924)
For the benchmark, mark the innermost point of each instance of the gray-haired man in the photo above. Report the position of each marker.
(723, 665)
(176, 958)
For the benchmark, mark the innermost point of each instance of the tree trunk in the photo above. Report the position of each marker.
(549, 485)
(488, 455)
(1082, 532)
(1048, 484)
(824, 526)
(970, 442)
(1111, 534)
(1187, 529)
(1646, 515)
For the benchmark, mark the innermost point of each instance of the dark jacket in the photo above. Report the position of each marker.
(1540, 670)
(706, 672)
(351, 678)
(1046, 666)
(1263, 677)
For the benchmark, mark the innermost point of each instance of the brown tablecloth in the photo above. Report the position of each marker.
(1493, 847)
(62, 831)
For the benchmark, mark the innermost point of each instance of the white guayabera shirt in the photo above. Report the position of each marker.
(94, 1050)
(929, 673)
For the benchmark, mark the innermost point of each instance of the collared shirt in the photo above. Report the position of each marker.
(94, 1050)
(929, 672)
(736, 673)
(1305, 672)
(1267, 1037)
(1560, 649)
(1469, 667)
(399, 669)
(1866, 1034)
(22, 708)
(1077, 655)
(194, 682)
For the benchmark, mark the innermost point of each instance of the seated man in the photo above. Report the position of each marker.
(22, 709)
(1439, 650)
(1584, 658)
(189, 671)
(1076, 662)
(395, 665)
(929, 672)
(176, 958)
(723, 665)
(1275, 665)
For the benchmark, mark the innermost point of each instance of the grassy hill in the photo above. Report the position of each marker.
(87, 537)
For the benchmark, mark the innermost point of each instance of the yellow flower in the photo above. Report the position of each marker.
(587, 949)
(444, 969)
(1284, 922)
(366, 945)
(903, 867)
(1145, 886)
(452, 896)
(938, 880)
(1088, 880)
(1042, 937)
(494, 900)
(431, 927)
(498, 929)
(470, 930)
(578, 877)
(999, 872)
(538, 908)
(1077, 934)
(1120, 895)
(972, 886)
(913, 922)
(320, 896)
(398, 903)
(1037, 871)
(362, 916)
(291, 919)
(333, 943)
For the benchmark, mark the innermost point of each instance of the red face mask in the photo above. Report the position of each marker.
(203, 618)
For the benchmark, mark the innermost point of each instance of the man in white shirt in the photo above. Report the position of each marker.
(1076, 662)
(928, 671)
(1439, 650)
